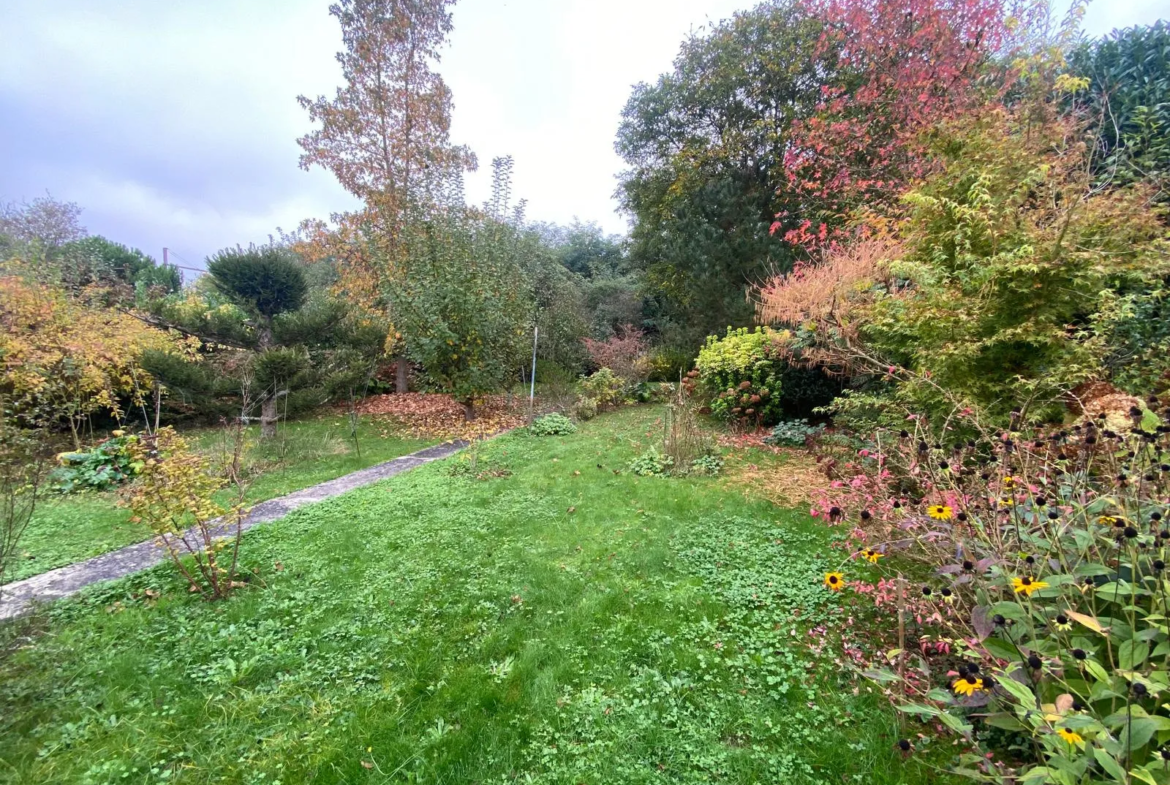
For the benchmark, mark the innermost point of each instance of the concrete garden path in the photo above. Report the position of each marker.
(18, 597)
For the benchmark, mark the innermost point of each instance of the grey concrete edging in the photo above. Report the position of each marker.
(19, 597)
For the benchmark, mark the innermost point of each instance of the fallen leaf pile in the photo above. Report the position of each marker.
(435, 416)
(790, 483)
(746, 439)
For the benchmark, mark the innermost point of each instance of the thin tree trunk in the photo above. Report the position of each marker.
(73, 429)
(268, 417)
(402, 378)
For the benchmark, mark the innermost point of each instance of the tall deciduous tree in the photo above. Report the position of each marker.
(464, 295)
(386, 133)
(904, 66)
(45, 222)
(705, 145)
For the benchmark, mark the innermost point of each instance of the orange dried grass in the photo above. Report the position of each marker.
(791, 482)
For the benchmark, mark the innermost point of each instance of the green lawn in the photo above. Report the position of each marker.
(67, 529)
(558, 624)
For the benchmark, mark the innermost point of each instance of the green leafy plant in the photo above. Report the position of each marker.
(651, 463)
(1128, 101)
(1046, 615)
(709, 464)
(107, 465)
(740, 376)
(652, 392)
(793, 433)
(669, 365)
(552, 425)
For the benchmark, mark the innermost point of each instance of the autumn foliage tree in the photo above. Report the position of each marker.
(384, 135)
(904, 67)
(1004, 259)
(64, 360)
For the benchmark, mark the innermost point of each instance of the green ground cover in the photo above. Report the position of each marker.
(68, 529)
(544, 617)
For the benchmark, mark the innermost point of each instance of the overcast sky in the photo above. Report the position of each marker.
(174, 124)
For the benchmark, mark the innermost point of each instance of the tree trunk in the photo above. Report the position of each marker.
(401, 378)
(157, 405)
(268, 417)
(468, 409)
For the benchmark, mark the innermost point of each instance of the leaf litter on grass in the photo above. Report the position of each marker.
(437, 416)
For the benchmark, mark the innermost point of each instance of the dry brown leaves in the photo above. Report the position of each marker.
(1096, 398)
(785, 476)
(434, 416)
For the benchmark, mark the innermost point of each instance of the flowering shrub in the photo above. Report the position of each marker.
(754, 377)
(1046, 612)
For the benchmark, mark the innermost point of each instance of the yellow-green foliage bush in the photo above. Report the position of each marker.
(739, 375)
(174, 498)
(597, 392)
(1009, 253)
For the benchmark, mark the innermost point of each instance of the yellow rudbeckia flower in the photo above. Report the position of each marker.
(835, 580)
(1026, 585)
(967, 685)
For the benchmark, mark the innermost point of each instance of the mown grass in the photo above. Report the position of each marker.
(563, 623)
(68, 529)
